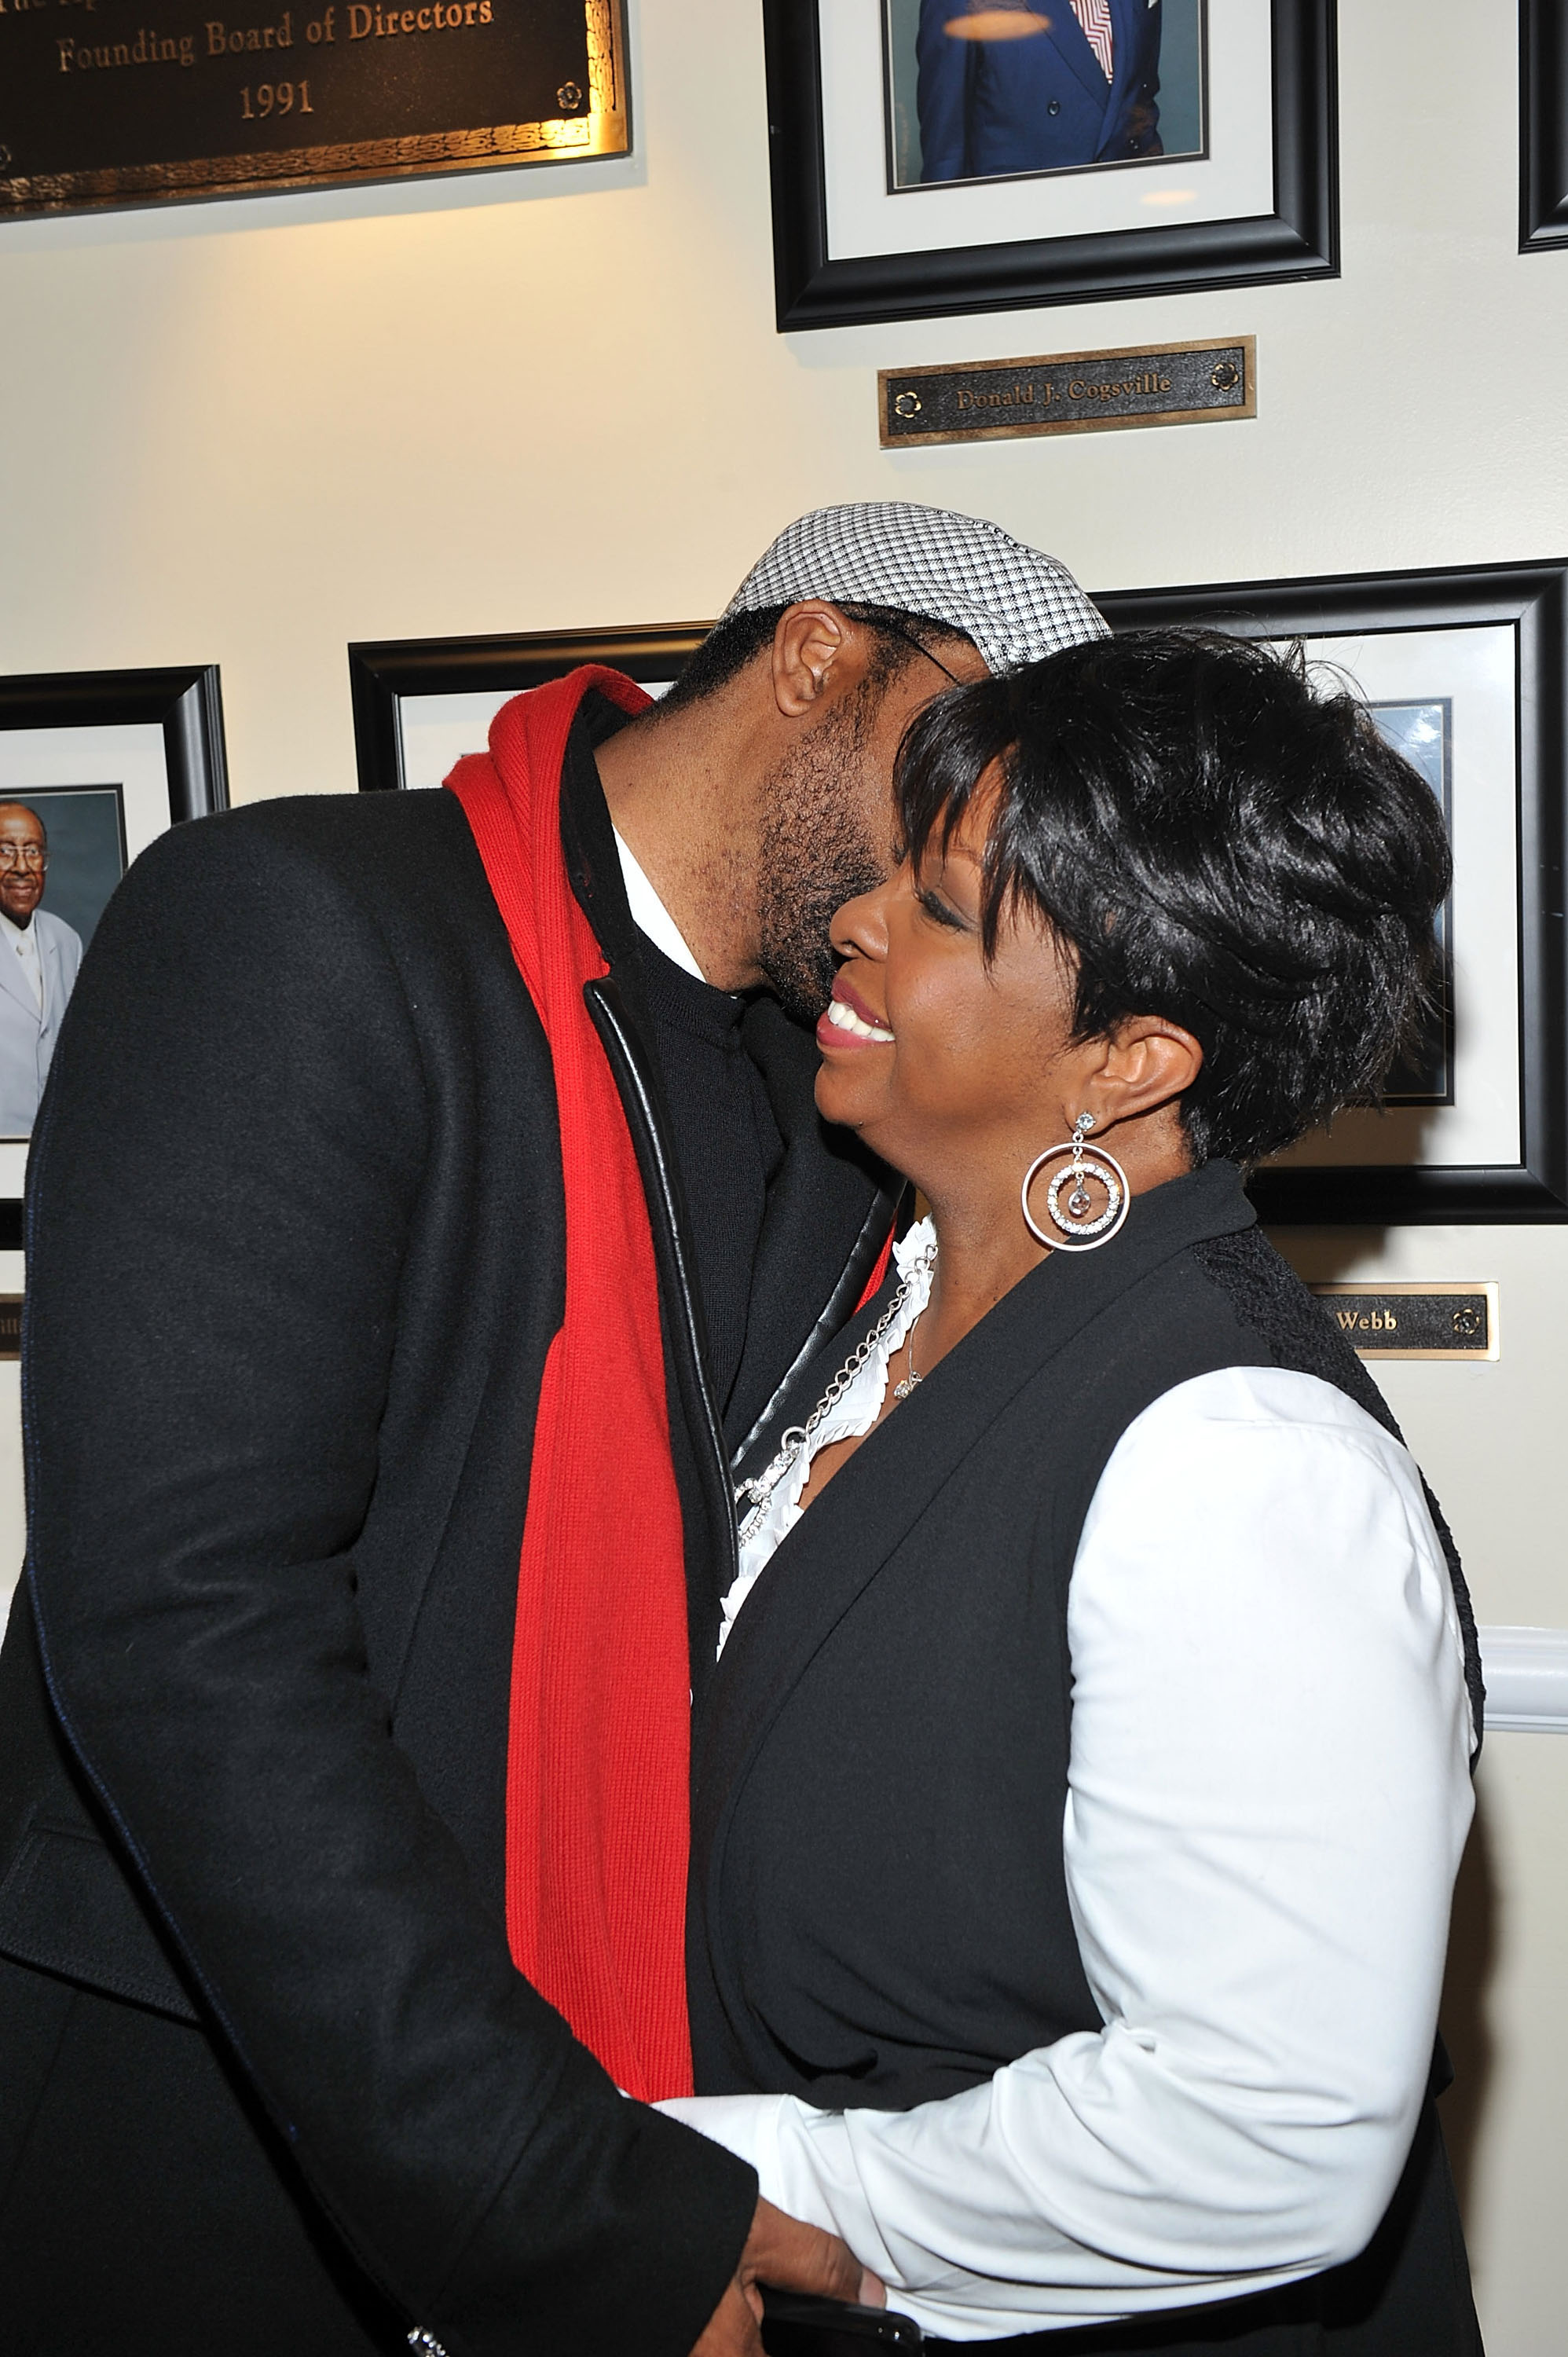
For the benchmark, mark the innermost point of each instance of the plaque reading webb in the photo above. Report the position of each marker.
(118, 102)
(1415, 1321)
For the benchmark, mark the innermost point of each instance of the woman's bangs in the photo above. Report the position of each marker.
(947, 750)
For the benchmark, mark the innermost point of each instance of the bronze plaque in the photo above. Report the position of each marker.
(10, 1325)
(1068, 392)
(1415, 1321)
(135, 102)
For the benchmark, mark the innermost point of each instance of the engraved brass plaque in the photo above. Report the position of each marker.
(1415, 1321)
(138, 102)
(1068, 392)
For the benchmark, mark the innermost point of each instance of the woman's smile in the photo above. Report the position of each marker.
(849, 1022)
(927, 1045)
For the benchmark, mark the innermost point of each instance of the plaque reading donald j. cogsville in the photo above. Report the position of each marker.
(1069, 393)
(133, 101)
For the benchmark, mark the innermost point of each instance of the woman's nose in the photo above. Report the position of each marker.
(859, 929)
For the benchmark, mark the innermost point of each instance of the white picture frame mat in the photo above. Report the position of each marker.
(1234, 181)
(131, 757)
(436, 731)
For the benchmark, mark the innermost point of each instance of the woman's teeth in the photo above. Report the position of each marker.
(844, 1019)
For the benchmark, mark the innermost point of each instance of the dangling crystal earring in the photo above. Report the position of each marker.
(1075, 1231)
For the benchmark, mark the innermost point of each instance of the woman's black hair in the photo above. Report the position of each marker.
(1220, 845)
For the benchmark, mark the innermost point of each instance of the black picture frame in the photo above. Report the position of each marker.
(183, 700)
(383, 672)
(1532, 598)
(1542, 124)
(1298, 239)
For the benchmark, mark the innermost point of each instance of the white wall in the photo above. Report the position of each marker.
(252, 432)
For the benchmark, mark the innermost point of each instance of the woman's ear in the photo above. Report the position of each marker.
(1145, 1062)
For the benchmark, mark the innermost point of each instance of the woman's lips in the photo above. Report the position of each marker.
(850, 1023)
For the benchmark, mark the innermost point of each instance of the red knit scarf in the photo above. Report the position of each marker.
(597, 1806)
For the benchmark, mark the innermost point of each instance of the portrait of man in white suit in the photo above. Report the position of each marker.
(39, 954)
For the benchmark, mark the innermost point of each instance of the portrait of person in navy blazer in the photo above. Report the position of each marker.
(1040, 86)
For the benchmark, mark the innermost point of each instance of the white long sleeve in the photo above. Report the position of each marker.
(1268, 1795)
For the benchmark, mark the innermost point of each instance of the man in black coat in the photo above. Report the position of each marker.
(269, 2077)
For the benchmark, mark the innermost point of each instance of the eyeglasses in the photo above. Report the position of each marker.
(26, 855)
(891, 630)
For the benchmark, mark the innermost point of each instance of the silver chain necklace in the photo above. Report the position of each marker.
(914, 1377)
(799, 1436)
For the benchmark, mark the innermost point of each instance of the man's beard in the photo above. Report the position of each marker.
(814, 856)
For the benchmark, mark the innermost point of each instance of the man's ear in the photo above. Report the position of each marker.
(1146, 1062)
(815, 651)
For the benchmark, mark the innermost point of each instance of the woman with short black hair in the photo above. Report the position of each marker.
(1078, 1806)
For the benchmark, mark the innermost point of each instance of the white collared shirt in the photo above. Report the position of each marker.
(24, 941)
(649, 913)
(1268, 1794)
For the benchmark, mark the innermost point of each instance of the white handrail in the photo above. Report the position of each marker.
(1527, 1679)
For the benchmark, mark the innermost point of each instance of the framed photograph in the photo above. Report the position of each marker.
(932, 156)
(1464, 671)
(421, 704)
(92, 765)
(1543, 125)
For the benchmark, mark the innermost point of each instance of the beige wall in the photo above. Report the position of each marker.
(249, 432)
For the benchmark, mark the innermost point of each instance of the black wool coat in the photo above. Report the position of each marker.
(296, 1236)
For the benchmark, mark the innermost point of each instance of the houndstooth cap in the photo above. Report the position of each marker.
(1013, 602)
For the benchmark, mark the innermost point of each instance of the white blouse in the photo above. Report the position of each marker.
(1268, 1794)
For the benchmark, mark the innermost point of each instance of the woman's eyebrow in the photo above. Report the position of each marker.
(955, 852)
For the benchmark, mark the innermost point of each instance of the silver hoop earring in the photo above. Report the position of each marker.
(1075, 1231)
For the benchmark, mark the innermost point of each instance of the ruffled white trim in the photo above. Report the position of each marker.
(854, 1414)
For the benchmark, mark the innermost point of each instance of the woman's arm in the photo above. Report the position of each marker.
(1268, 1795)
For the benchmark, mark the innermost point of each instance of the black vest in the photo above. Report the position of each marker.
(878, 1902)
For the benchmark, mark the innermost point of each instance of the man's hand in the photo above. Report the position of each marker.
(780, 2250)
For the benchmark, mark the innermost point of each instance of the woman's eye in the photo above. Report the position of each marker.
(938, 910)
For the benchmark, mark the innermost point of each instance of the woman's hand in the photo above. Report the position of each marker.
(781, 2250)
